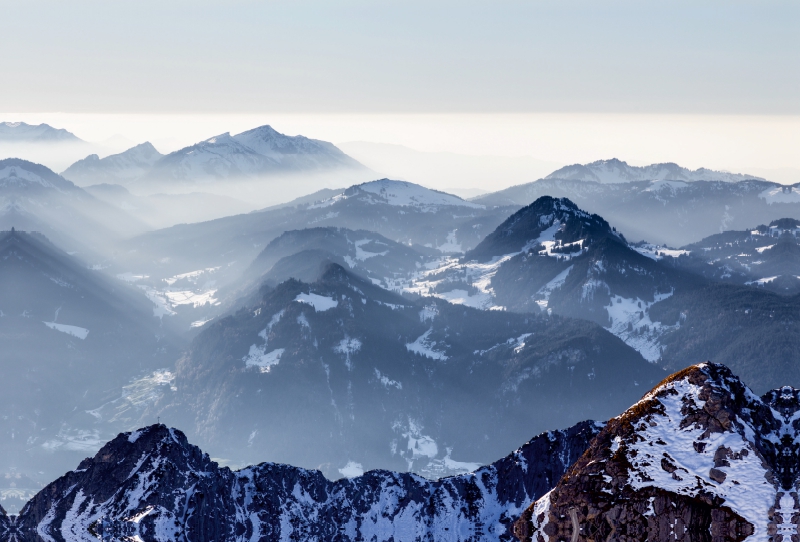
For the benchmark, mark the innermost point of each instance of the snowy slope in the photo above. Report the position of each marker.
(295, 151)
(700, 452)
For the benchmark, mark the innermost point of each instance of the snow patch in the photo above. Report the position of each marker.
(320, 303)
(426, 347)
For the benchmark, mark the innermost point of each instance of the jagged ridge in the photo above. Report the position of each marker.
(153, 484)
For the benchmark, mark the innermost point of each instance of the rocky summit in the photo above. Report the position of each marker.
(699, 458)
(152, 485)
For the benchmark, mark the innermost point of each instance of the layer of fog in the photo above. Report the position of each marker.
(464, 175)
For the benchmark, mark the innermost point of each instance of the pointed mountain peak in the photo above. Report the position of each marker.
(557, 221)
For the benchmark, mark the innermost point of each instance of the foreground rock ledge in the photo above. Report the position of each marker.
(699, 458)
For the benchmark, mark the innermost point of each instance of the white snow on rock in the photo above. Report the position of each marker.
(258, 355)
(192, 276)
(426, 347)
(479, 274)
(320, 303)
(428, 312)
(542, 297)
(451, 245)
(780, 195)
(761, 282)
(75, 331)
(386, 381)
(159, 299)
(347, 347)
(263, 360)
(188, 297)
(630, 321)
(363, 255)
(657, 252)
(745, 488)
(200, 323)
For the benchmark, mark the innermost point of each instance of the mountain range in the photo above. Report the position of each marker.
(699, 457)
(255, 153)
(73, 339)
(20, 132)
(618, 171)
(152, 485)
(33, 198)
(668, 212)
(353, 374)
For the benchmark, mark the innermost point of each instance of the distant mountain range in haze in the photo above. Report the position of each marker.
(20, 132)
(617, 171)
(255, 153)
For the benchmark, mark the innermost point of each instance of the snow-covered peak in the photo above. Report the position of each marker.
(556, 223)
(700, 441)
(269, 142)
(406, 194)
(618, 171)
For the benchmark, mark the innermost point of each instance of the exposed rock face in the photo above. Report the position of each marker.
(153, 484)
(699, 458)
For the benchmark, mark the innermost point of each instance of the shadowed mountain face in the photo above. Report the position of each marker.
(72, 339)
(152, 485)
(699, 458)
(404, 213)
(346, 372)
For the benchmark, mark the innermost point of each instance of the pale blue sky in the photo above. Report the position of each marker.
(732, 57)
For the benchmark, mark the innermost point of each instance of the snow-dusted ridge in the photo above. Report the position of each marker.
(618, 171)
(152, 485)
(699, 453)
